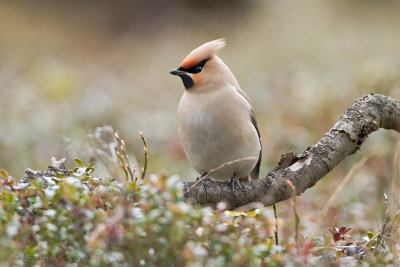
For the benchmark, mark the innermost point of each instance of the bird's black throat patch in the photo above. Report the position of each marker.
(187, 81)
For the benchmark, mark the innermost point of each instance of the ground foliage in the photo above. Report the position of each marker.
(66, 68)
(72, 217)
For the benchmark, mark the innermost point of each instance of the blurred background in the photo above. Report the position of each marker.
(67, 67)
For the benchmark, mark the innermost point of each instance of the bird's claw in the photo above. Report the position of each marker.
(208, 179)
(233, 182)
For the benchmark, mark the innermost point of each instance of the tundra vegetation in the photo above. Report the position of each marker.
(68, 67)
(66, 217)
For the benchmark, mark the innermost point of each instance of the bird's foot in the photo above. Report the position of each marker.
(233, 182)
(204, 179)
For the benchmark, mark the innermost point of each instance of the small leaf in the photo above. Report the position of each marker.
(79, 162)
(60, 175)
(337, 236)
(91, 164)
(89, 170)
(348, 229)
(370, 236)
(252, 213)
(240, 213)
(233, 213)
(4, 173)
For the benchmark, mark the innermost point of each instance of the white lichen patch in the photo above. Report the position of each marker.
(20, 186)
(300, 164)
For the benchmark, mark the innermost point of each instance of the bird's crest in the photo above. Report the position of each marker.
(205, 51)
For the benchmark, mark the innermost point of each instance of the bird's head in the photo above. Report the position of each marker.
(201, 65)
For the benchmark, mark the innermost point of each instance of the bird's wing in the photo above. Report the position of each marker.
(256, 170)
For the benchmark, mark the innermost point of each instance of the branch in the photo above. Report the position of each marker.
(366, 115)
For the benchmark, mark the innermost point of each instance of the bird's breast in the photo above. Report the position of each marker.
(215, 128)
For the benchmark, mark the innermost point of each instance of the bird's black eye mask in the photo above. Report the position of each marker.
(187, 79)
(185, 73)
(196, 68)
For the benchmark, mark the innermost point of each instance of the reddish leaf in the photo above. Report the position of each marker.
(336, 236)
(348, 229)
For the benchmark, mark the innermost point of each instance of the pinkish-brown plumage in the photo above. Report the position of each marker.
(202, 52)
(216, 122)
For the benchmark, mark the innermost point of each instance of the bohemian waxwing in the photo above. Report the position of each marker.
(216, 122)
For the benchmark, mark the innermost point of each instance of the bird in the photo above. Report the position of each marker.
(215, 119)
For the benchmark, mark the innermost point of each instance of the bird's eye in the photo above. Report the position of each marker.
(198, 69)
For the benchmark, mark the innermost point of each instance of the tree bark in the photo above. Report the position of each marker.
(366, 115)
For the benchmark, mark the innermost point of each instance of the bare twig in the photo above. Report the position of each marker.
(395, 176)
(146, 156)
(394, 230)
(204, 176)
(337, 191)
(122, 164)
(391, 239)
(276, 231)
(375, 236)
(380, 241)
(389, 231)
(296, 215)
(124, 159)
(397, 227)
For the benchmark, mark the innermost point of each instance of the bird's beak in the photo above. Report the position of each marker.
(176, 71)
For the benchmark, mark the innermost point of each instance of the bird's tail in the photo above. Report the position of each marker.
(256, 170)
